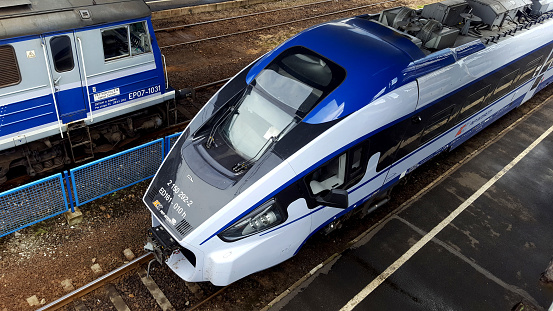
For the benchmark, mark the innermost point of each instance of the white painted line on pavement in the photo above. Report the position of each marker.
(430, 235)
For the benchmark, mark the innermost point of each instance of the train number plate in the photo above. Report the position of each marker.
(106, 94)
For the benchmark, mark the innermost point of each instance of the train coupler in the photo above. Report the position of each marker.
(160, 243)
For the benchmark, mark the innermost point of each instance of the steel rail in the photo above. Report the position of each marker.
(277, 25)
(208, 85)
(239, 16)
(98, 282)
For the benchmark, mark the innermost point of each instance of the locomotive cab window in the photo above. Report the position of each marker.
(341, 172)
(280, 96)
(62, 53)
(126, 41)
(329, 176)
(8, 67)
(140, 40)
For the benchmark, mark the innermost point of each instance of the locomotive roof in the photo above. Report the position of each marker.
(32, 17)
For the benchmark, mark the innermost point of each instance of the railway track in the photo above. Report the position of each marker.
(123, 273)
(263, 286)
(262, 28)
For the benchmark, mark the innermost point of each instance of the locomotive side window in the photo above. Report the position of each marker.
(62, 53)
(115, 42)
(341, 172)
(140, 40)
(530, 71)
(329, 176)
(547, 64)
(126, 41)
(8, 67)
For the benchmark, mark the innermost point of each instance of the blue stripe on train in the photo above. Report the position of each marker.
(22, 116)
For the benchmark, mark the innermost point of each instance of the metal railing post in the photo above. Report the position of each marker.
(69, 191)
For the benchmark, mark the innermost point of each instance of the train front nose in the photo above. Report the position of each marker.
(180, 257)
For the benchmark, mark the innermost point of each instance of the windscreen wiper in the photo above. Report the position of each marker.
(211, 138)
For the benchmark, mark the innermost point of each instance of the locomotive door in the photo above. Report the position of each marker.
(66, 76)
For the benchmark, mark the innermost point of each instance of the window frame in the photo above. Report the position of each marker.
(472, 106)
(70, 53)
(129, 53)
(350, 178)
(501, 89)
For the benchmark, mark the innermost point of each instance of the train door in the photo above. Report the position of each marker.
(66, 76)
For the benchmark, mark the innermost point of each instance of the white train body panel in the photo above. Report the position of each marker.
(321, 126)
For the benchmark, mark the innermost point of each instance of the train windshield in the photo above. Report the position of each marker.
(279, 97)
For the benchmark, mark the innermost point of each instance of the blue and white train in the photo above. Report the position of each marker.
(76, 77)
(330, 120)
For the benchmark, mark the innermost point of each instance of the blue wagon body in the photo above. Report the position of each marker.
(75, 67)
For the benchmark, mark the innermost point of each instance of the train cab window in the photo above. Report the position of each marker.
(140, 40)
(8, 67)
(340, 172)
(115, 42)
(279, 97)
(62, 53)
(126, 41)
(329, 176)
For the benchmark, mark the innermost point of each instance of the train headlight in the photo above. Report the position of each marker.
(262, 218)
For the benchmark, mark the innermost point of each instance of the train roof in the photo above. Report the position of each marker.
(383, 51)
(32, 17)
(375, 57)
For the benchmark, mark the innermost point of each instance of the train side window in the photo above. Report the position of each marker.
(504, 85)
(115, 42)
(8, 67)
(547, 64)
(437, 124)
(329, 176)
(62, 53)
(355, 164)
(474, 103)
(530, 71)
(140, 40)
(340, 172)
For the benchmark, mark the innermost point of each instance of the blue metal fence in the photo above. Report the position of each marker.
(104, 176)
(31, 203)
(39, 200)
(170, 141)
